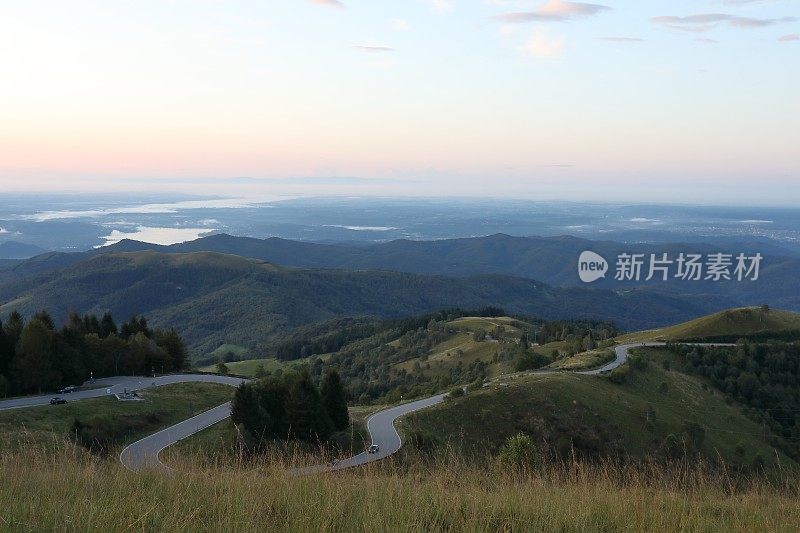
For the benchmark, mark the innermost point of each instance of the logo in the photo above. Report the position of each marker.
(591, 267)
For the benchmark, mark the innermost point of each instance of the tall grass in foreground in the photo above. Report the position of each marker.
(70, 490)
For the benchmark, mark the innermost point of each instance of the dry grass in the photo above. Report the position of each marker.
(70, 491)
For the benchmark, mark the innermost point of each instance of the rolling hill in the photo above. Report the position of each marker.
(595, 417)
(214, 299)
(728, 325)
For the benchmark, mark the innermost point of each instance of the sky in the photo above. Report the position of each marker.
(642, 100)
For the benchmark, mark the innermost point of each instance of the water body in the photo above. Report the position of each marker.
(153, 235)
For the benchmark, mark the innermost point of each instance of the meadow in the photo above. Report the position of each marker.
(71, 491)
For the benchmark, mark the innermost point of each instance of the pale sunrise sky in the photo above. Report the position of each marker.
(635, 99)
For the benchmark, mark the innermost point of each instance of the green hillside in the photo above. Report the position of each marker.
(729, 325)
(596, 417)
(215, 299)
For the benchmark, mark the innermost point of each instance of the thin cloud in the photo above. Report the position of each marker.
(705, 21)
(622, 39)
(541, 44)
(329, 3)
(401, 25)
(706, 40)
(790, 37)
(372, 48)
(442, 6)
(555, 11)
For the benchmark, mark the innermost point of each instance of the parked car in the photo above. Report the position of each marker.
(57, 401)
(373, 449)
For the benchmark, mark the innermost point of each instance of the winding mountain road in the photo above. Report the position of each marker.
(144, 453)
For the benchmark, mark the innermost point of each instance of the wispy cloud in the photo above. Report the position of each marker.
(790, 37)
(622, 39)
(401, 25)
(541, 44)
(705, 21)
(329, 3)
(442, 6)
(373, 48)
(555, 11)
(706, 40)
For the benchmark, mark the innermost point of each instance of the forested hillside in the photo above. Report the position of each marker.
(551, 260)
(212, 299)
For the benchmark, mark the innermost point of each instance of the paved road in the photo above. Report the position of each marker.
(115, 385)
(144, 453)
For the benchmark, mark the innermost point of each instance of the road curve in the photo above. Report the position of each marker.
(144, 453)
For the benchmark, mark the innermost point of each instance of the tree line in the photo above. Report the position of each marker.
(35, 356)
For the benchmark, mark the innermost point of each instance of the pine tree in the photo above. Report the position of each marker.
(107, 326)
(304, 410)
(334, 399)
(45, 318)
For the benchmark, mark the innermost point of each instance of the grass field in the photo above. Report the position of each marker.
(239, 351)
(41, 492)
(584, 360)
(248, 367)
(162, 407)
(741, 322)
(611, 417)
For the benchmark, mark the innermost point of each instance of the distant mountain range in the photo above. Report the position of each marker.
(230, 289)
(552, 260)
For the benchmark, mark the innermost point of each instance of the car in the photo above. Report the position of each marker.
(57, 401)
(373, 449)
(67, 390)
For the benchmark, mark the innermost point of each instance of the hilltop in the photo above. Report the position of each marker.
(728, 326)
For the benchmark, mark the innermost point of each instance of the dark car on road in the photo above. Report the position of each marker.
(373, 449)
(67, 390)
(57, 401)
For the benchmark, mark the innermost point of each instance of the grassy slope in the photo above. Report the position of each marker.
(742, 322)
(41, 493)
(569, 404)
(225, 349)
(161, 408)
(445, 355)
(248, 367)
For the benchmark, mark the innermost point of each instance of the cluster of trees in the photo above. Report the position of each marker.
(581, 333)
(35, 356)
(291, 407)
(303, 343)
(763, 376)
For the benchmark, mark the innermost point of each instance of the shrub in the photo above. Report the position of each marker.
(519, 452)
(620, 374)
(457, 392)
